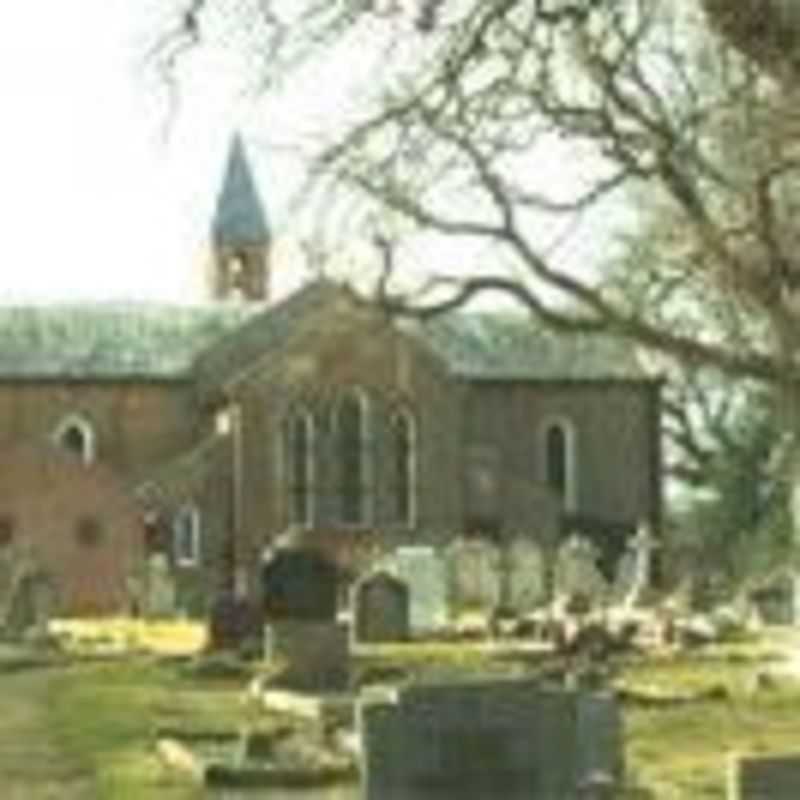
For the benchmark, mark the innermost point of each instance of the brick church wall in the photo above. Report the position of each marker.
(617, 440)
(137, 423)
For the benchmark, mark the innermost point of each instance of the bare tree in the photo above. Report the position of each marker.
(688, 104)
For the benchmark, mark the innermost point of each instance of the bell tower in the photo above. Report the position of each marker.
(240, 235)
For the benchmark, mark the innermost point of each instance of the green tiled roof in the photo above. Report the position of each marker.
(109, 341)
(508, 346)
(262, 333)
(116, 341)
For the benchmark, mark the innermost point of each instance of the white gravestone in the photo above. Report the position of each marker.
(473, 575)
(423, 571)
(160, 587)
(577, 573)
(527, 584)
(642, 546)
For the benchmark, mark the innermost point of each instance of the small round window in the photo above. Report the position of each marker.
(89, 532)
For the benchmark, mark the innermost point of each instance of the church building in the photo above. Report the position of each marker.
(206, 432)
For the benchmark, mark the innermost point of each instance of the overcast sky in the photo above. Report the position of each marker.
(104, 195)
(100, 197)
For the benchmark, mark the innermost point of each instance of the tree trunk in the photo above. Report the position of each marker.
(766, 31)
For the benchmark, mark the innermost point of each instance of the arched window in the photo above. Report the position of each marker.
(404, 465)
(76, 436)
(186, 536)
(299, 461)
(560, 461)
(352, 426)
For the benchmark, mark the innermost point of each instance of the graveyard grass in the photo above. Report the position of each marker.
(682, 751)
(104, 715)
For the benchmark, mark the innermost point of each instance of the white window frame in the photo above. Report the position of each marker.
(296, 415)
(569, 431)
(189, 512)
(367, 479)
(412, 466)
(86, 430)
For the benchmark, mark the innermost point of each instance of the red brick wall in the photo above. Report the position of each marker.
(44, 497)
(137, 424)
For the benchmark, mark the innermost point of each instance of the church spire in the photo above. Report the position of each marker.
(240, 235)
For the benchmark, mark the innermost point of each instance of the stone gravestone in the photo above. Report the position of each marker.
(380, 604)
(641, 546)
(484, 739)
(624, 577)
(774, 777)
(300, 588)
(160, 588)
(577, 574)
(30, 605)
(473, 575)
(299, 584)
(527, 580)
(9, 562)
(234, 622)
(777, 599)
(423, 571)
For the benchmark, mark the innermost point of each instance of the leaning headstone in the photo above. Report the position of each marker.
(160, 588)
(473, 575)
(467, 740)
(423, 571)
(527, 584)
(577, 573)
(774, 777)
(380, 604)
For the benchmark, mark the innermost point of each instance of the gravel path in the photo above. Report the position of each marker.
(32, 765)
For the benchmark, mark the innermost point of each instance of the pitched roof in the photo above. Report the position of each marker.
(261, 334)
(106, 341)
(109, 341)
(510, 346)
(239, 217)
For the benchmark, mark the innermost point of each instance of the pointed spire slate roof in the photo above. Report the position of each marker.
(239, 217)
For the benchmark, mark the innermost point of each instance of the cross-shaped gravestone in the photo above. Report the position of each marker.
(642, 546)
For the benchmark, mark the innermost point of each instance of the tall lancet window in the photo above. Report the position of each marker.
(352, 431)
(559, 461)
(299, 461)
(404, 466)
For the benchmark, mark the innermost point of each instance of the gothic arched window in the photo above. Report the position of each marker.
(404, 465)
(352, 426)
(186, 536)
(299, 461)
(559, 461)
(76, 436)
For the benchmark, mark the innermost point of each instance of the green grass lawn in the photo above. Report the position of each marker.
(105, 716)
(681, 752)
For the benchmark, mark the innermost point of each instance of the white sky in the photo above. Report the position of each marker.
(97, 201)
(100, 198)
